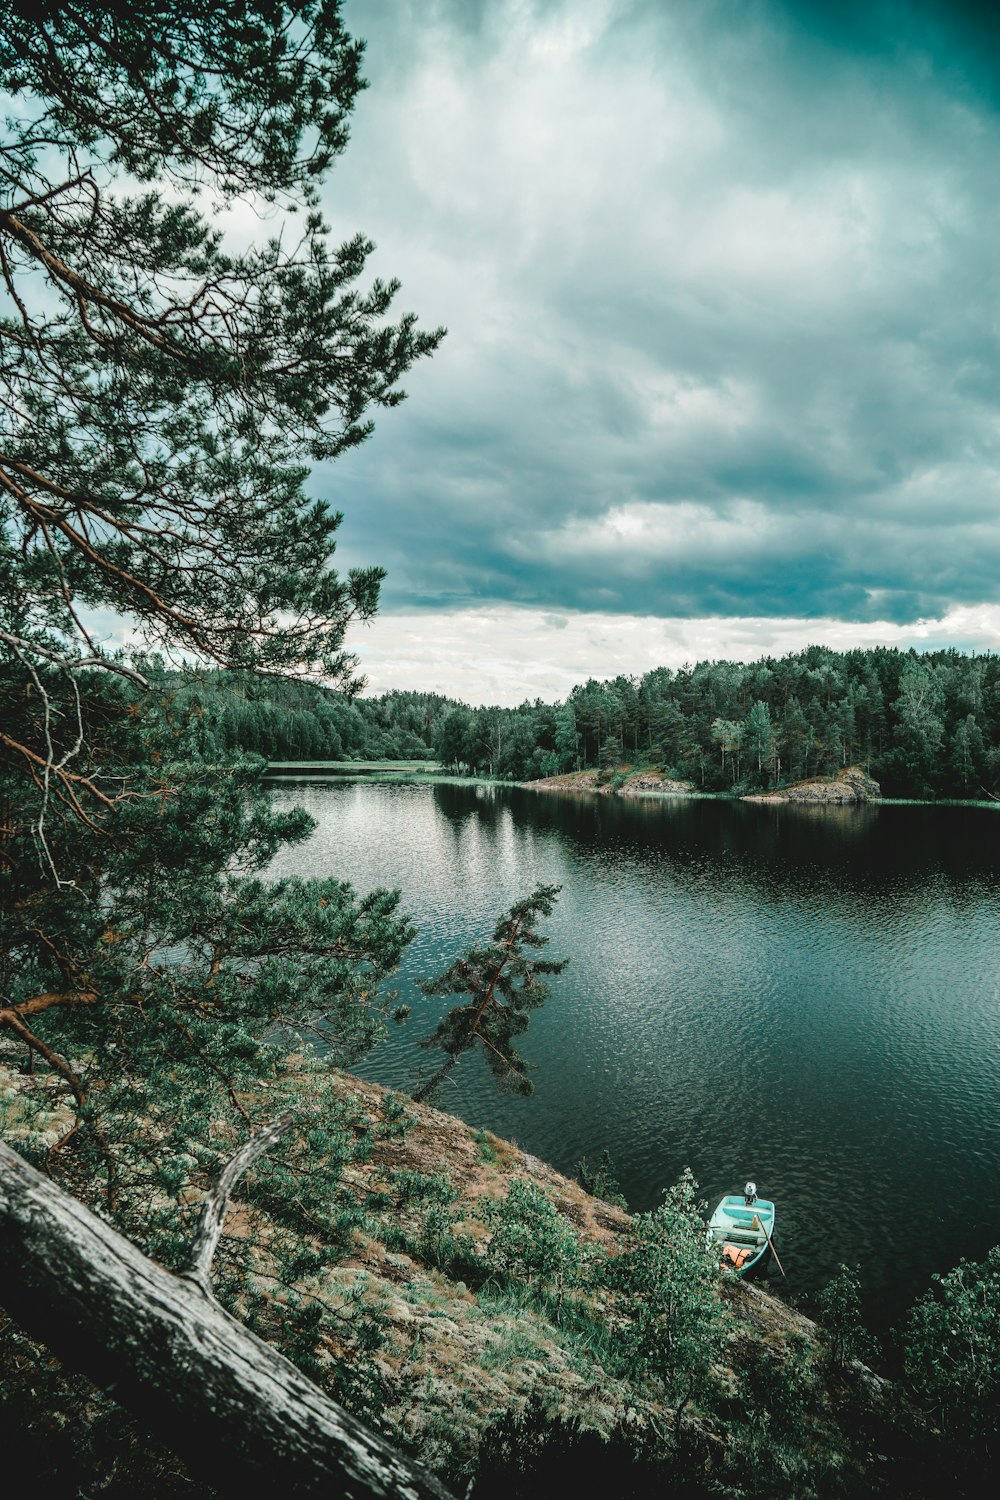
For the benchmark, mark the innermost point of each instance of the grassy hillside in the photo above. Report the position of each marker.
(485, 1312)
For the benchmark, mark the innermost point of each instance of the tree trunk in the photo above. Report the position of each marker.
(238, 1412)
(426, 1089)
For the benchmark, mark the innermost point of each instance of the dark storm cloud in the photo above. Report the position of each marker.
(722, 290)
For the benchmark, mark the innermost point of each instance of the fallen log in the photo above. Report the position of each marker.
(237, 1411)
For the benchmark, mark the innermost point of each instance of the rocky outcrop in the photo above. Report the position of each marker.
(622, 783)
(652, 783)
(850, 785)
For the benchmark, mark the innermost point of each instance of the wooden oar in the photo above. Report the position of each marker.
(761, 1225)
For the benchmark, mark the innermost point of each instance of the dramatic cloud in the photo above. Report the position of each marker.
(722, 286)
(723, 369)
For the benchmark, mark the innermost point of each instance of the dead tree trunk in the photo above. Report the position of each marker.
(238, 1412)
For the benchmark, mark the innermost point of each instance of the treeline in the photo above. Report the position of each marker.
(282, 719)
(924, 725)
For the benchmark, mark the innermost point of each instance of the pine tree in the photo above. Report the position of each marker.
(503, 984)
(759, 735)
(164, 396)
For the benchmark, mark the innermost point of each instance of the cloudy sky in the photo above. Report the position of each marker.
(722, 373)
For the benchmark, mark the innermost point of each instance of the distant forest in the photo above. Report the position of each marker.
(923, 725)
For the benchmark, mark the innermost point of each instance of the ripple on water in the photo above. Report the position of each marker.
(809, 1001)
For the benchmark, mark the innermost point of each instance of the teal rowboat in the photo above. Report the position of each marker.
(741, 1230)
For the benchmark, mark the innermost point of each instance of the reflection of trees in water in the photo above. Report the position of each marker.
(488, 804)
(481, 830)
(914, 857)
(847, 821)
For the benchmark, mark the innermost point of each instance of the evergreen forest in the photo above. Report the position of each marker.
(923, 725)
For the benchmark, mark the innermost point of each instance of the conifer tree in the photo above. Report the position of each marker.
(164, 395)
(503, 985)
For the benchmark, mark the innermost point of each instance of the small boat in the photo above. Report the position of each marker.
(743, 1227)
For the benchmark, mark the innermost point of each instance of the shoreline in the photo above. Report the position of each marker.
(580, 784)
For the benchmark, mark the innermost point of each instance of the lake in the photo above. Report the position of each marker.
(809, 997)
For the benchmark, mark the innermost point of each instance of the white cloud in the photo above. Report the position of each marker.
(642, 535)
(722, 337)
(506, 655)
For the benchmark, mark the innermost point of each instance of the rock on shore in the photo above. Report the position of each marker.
(849, 785)
(624, 783)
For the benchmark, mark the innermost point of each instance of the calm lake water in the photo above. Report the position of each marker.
(808, 997)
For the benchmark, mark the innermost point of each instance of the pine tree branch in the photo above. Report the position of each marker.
(55, 1061)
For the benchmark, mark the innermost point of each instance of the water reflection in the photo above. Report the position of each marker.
(805, 996)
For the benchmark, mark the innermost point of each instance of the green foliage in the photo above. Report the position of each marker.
(424, 1187)
(257, 98)
(172, 456)
(443, 1245)
(770, 1423)
(566, 746)
(926, 725)
(164, 394)
(151, 467)
(677, 1325)
(484, 1146)
(532, 1240)
(426, 1222)
(504, 985)
(839, 1307)
(758, 732)
(951, 1349)
(610, 755)
(600, 1180)
(396, 1118)
(777, 1387)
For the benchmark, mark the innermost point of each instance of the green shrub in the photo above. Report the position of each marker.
(423, 1187)
(839, 1306)
(532, 1239)
(677, 1325)
(768, 1451)
(437, 1241)
(438, 1244)
(600, 1180)
(396, 1119)
(951, 1352)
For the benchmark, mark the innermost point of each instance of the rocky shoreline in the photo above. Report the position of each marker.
(623, 783)
(851, 785)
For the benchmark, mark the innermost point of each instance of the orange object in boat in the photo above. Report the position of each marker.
(737, 1255)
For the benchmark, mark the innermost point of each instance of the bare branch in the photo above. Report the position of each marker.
(213, 1212)
(73, 663)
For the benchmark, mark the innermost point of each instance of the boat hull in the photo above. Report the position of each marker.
(743, 1234)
